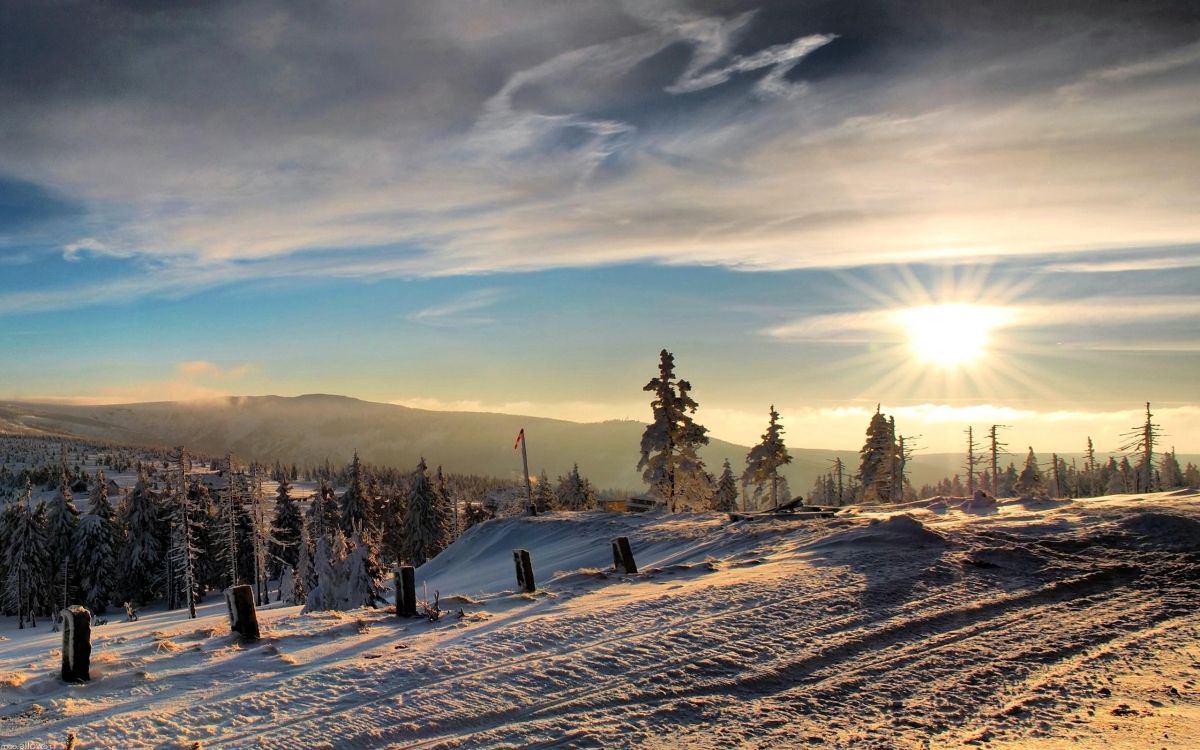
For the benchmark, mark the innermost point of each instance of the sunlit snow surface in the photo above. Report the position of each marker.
(944, 624)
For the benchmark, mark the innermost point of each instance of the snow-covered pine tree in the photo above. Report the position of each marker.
(226, 533)
(1090, 479)
(62, 528)
(185, 553)
(877, 471)
(1141, 441)
(141, 555)
(1030, 480)
(393, 524)
(96, 549)
(286, 526)
(574, 492)
(353, 504)
(27, 559)
(421, 523)
(763, 460)
(444, 506)
(1169, 473)
(361, 588)
(306, 570)
(330, 566)
(725, 498)
(671, 441)
(543, 494)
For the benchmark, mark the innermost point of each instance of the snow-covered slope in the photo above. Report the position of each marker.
(944, 624)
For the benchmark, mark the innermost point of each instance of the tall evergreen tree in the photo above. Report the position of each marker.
(725, 498)
(763, 460)
(1170, 475)
(543, 494)
(421, 523)
(877, 471)
(671, 441)
(286, 528)
(141, 555)
(27, 559)
(330, 567)
(62, 528)
(97, 548)
(353, 505)
(574, 492)
(1030, 480)
(1141, 441)
(362, 586)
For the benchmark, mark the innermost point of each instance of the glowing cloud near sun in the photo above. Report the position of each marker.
(950, 335)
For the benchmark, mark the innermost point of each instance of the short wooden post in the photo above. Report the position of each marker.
(77, 644)
(406, 591)
(623, 555)
(524, 570)
(243, 619)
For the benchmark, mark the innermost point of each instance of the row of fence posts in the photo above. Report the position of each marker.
(243, 618)
(406, 575)
(77, 631)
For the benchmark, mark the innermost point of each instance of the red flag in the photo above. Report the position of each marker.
(520, 437)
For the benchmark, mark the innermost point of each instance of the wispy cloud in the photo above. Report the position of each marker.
(458, 312)
(882, 324)
(602, 133)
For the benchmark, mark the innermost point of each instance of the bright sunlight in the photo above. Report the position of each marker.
(950, 335)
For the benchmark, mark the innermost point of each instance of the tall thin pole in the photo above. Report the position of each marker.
(528, 486)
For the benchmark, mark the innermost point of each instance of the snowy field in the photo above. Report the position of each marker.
(1024, 624)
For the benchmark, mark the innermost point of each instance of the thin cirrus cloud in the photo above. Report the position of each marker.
(461, 312)
(758, 137)
(883, 324)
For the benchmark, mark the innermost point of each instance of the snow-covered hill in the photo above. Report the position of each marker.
(942, 624)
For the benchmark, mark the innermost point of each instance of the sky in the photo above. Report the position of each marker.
(970, 213)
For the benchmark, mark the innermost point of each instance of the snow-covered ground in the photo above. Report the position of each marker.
(1030, 624)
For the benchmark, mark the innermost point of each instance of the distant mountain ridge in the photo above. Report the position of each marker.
(312, 428)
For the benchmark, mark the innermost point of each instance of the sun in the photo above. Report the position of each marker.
(952, 335)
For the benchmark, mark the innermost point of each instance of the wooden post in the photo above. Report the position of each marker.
(406, 591)
(524, 571)
(76, 644)
(623, 555)
(528, 487)
(243, 619)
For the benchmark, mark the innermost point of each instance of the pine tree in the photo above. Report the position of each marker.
(330, 565)
(141, 555)
(1090, 479)
(421, 524)
(185, 551)
(224, 531)
(62, 528)
(96, 549)
(352, 506)
(306, 570)
(670, 442)
(27, 559)
(574, 492)
(361, 588)
(444, 506)
(1116, 478)
(725, 498)
(877, 472)
(1030, 480)
(763, 460)
(286, 528)
(1141, 441)
(543, 494)
(1170, 475)
(972, 460)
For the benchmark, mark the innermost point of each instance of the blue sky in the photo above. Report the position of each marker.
(515, 206)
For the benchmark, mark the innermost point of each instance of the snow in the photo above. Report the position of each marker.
(939, 624)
